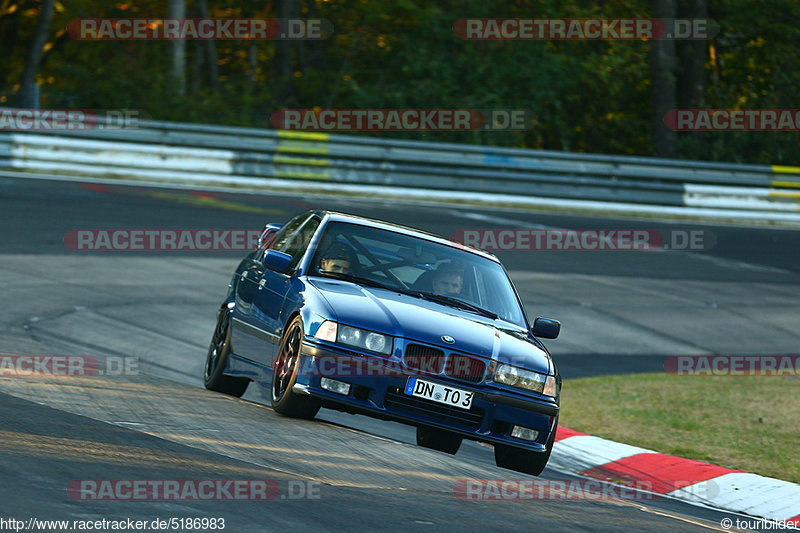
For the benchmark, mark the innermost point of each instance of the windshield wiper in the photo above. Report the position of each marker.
(455, 302)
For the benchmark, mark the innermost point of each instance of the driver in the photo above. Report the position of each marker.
(339, 258)
(447, 280)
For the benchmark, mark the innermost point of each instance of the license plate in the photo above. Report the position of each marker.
(439, 393)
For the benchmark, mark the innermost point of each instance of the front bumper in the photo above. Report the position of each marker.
(379, 393)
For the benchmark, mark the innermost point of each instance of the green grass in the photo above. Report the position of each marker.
(745, 423)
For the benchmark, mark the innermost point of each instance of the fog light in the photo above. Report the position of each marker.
(334, 385)
(520, 432)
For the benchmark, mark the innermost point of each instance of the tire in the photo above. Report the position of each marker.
(438, 439)
(217, 359)
(524, 461)
(284, 376)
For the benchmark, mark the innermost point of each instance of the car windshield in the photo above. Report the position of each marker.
(419, 267)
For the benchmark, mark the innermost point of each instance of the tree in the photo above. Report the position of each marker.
(286, 9)
(176, 9)
(211, 50)
(662, 75)
(692, 81)
(27, 95)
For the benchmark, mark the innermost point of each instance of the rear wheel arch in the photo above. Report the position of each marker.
(219, 350)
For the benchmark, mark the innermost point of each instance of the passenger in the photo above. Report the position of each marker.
(447, 279)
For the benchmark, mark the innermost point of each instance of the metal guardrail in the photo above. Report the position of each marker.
(204, 153)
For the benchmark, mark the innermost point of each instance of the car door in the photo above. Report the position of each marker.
(274, 287)
(252, 335)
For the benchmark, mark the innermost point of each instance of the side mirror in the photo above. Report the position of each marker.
(546, 328)
(267, 237)
(277, 261)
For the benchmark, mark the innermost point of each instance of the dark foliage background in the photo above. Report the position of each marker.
(587, 96)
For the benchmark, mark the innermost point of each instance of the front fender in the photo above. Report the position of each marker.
(305, 300)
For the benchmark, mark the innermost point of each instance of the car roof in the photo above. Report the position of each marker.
(336, 216)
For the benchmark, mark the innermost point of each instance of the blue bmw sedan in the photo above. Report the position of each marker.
(338, 311)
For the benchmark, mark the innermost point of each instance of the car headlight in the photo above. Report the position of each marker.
(525, 379)
(355, 337)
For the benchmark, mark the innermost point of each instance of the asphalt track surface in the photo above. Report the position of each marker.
(622, 312)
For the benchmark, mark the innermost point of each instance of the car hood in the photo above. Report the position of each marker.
(401, 315)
